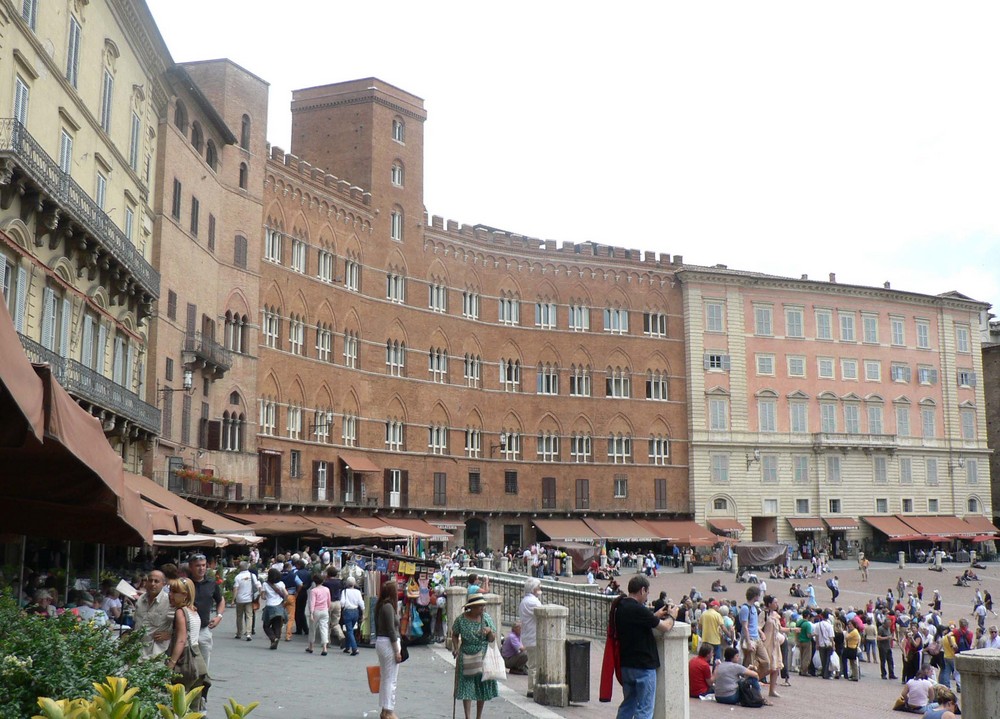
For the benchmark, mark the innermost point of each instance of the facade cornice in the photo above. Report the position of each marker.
(143, 33)
(751, 279)
(363, 99)
(317, 190)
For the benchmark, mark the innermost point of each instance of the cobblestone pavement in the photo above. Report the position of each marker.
(290, 683)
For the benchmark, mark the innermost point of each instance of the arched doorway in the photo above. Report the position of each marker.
(475, 535)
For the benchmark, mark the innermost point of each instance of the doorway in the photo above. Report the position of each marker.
(475, 535)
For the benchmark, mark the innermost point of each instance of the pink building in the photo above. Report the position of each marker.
(820, 410)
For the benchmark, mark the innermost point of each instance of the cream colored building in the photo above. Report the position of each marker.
(81, 90)
(819, 411)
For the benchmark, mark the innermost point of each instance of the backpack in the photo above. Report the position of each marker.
(737, 623)
(750, 695)
(829, 583)
(963, 642)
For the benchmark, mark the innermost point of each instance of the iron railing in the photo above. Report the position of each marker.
(207, 349)
(18, 144)
(588, 609)
(91, 386)
(202, 488)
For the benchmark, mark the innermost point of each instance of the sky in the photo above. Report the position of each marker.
(791, 138)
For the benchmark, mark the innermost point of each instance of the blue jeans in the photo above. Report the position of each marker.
(639, 687)
(947, 671)
(735, 698)
(351, 621)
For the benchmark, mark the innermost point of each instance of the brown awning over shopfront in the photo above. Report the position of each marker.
(621, 530)
(940, 526)
(190, 512)
(359, 462)
(418, 525)
(726, 524)
(21, 393)
(806, 524)
(841, 524)
(570, 530)
(680, 531)
(981, 524)
(890, 526)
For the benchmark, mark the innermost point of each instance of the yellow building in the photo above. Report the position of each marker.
(81, 89)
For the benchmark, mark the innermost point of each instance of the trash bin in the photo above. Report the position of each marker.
(578, 670)
(901, 559)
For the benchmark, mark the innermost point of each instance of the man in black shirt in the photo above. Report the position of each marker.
(336, 588)
(634, 623)
(208, 600)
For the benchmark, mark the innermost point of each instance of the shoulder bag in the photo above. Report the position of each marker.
(493, 664)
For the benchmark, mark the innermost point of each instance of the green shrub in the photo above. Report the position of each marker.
(64, 657)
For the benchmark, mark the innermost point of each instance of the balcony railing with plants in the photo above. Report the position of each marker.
(17, 145)
(209, 352)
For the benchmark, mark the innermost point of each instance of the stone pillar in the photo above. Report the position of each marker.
(504, 564)
(494, 607)
(486, 562)
(551, 688)
(736, 564)
(465, 561)
(672, 676)
(972, 556)
(980, 670)
(455, 598)
(901, 559)
(938, 559)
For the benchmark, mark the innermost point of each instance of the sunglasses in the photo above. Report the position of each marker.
(196, 557)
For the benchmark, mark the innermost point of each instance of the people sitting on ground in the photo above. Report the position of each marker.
(961, 581)
(515, 656)
(970, 576)
(916, 693)
(695, 595)
(943, 703)
(700, 672)
(718, 586)
(727, 675)
(613, 589)
(748, 577)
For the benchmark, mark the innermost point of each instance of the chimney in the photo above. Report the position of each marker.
(805, 277)
(833, 277)
(886, 285)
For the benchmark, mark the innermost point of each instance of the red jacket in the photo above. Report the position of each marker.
(611, 666)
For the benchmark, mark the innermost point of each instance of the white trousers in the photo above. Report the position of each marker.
(389, 669)
(319, 627)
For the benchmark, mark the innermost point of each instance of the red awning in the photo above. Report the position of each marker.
(890, 526)
(621, 530)
(21, 394)
(939, 526)
(840, 524)
(359, 462)
(725, 524)
(573, 530)
(981, 524)
(806, 524)
(680, 531)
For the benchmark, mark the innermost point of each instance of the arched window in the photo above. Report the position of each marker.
(210, 155)
(233, 431)
(181, 117)
(243, 175)
(245, 133)
(197, 137)
(720, 504)
(397, 174)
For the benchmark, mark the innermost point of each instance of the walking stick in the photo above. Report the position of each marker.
(454, 693)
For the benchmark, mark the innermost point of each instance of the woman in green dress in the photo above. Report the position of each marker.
(473, 631)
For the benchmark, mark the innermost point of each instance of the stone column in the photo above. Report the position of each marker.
(938, 559)
(487, 562)
(901, 559)
(672, 676)
(494, 607)
(980, 670)
(455, 598)
(504, 564)
(551, 688)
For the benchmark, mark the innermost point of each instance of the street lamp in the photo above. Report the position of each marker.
(752, 459)
(502, 444)
(188, 387)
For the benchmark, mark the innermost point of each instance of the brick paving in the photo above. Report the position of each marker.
(292, 684)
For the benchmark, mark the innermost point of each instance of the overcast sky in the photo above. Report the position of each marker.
(786, 137)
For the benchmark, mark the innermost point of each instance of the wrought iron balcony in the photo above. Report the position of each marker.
(19, 151)
(847, 440)
(208, 352)
(94, 388)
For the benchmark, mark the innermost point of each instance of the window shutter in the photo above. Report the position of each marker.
(909, 374)
(22, 298)
(192, 318)
(102, 347)
(67, 312)
(129, 367)
(933, 376)
(386, 486)
(87, 352)
(706, 363)
(404, 489)
(213, 434)
(726, 363)
(116, 370)
(48, 318)
(315, 477)
(972, 379)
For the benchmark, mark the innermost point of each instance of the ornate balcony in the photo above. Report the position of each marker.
(66, 213)
(206, 353)
(845, 441)
(104, 396)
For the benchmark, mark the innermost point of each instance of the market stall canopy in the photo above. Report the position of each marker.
(359, 462)
(890, 526)
(381, 527)
(760, 554)
(806, 524)
(939, 526)
(726, 524)
(71, 484)
(981, 524)
(190, 515)
(21, 392)
(278, 524)
(435, 534)
(190, 540)
(568, 530)
(621, 530)
(165, 521)
(841, 524)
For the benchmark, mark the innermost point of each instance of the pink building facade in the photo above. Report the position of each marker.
(816, 407)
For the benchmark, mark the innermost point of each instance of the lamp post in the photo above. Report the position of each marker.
(502, 444)
(754, 458)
